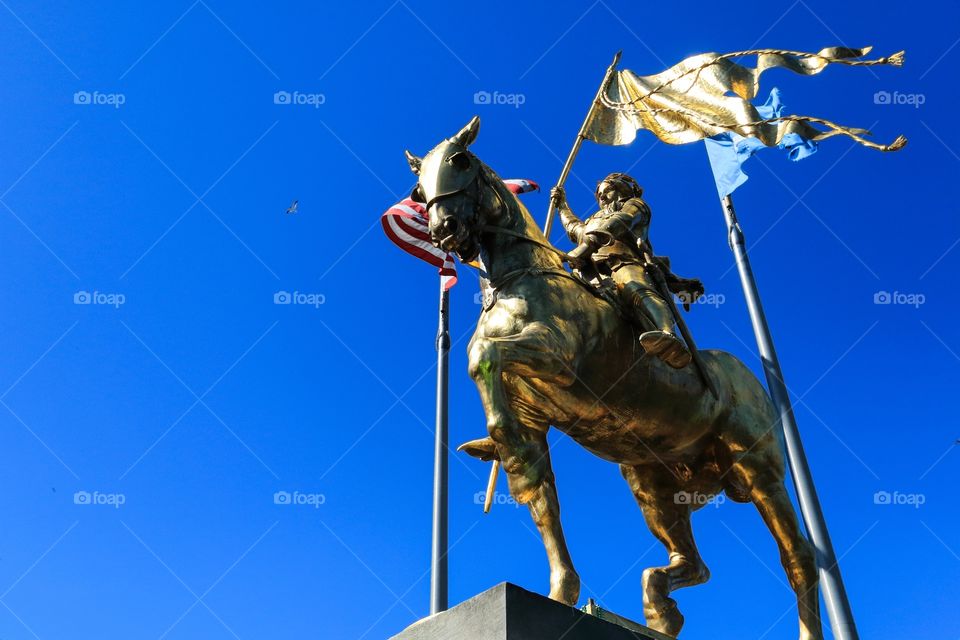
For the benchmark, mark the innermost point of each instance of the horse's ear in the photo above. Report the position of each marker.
(468, 134)
(414, 162)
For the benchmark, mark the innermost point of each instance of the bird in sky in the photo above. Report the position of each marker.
(293, 206)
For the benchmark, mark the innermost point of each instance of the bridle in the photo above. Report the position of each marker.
(564, 257)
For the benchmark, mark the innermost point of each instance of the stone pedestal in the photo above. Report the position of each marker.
(507, 612)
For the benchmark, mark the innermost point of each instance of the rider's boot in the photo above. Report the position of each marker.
(662, 342)
(667, 347)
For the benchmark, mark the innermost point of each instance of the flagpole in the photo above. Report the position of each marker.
(831, 582)
(581, 136)
(438, 558)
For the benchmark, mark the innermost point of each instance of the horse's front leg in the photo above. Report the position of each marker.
(522, 448)
(534, 352)
(545, 509)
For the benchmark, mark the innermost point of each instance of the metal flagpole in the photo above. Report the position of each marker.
(831, 583)
(581, 136)
(438, 558)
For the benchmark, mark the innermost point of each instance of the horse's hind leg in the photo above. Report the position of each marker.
(669, 521)
(796, 553)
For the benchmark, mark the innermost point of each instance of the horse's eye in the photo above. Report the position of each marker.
(417, 194)
(460, 161)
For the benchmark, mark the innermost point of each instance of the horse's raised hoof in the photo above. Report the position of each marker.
(482, 448)
(565, 587)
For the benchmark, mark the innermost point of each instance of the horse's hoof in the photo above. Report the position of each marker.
(565, 588)
(810, 634)
(666, 619)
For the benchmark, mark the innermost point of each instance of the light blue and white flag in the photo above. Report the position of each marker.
(728, 151)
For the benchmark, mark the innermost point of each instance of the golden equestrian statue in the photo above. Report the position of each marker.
(550, 351)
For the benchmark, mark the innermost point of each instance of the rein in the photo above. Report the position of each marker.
(516, 234)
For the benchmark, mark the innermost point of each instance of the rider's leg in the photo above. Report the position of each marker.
(652, 306)
(649, 310)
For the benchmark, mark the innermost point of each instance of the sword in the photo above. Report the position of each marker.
(654, 269)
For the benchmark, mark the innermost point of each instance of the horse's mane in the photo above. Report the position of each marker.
(517, 218)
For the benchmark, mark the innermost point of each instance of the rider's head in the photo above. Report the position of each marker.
(617, 188)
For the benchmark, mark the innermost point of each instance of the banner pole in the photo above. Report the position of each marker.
(438, 559)
(581, 136)
(831, 582)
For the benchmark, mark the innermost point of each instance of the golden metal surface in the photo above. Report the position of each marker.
(709, 93)
(550, 352)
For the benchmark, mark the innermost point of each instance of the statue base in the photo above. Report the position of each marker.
(507, 612)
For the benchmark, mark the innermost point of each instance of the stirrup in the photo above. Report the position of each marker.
(667, 347)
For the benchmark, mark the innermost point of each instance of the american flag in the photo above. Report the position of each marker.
(407, 225)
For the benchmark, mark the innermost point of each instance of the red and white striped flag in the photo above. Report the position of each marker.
(518, 185)
(407, 225)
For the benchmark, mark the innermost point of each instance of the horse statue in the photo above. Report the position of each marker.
(549, 351)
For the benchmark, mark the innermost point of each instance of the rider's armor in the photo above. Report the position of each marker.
(609, 239)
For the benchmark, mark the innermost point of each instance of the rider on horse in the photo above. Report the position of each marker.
(614, 241)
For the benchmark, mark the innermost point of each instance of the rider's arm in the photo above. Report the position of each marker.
(571, 223)
(637, 214)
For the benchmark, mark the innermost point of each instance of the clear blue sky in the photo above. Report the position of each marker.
(197, 399)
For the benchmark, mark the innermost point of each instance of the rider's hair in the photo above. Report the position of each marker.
(621, 179)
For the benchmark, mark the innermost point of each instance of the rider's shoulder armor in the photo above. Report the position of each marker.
(636, 207)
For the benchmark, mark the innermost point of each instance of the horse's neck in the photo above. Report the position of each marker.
(503, 253)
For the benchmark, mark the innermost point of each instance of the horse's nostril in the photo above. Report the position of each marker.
(451, 225)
